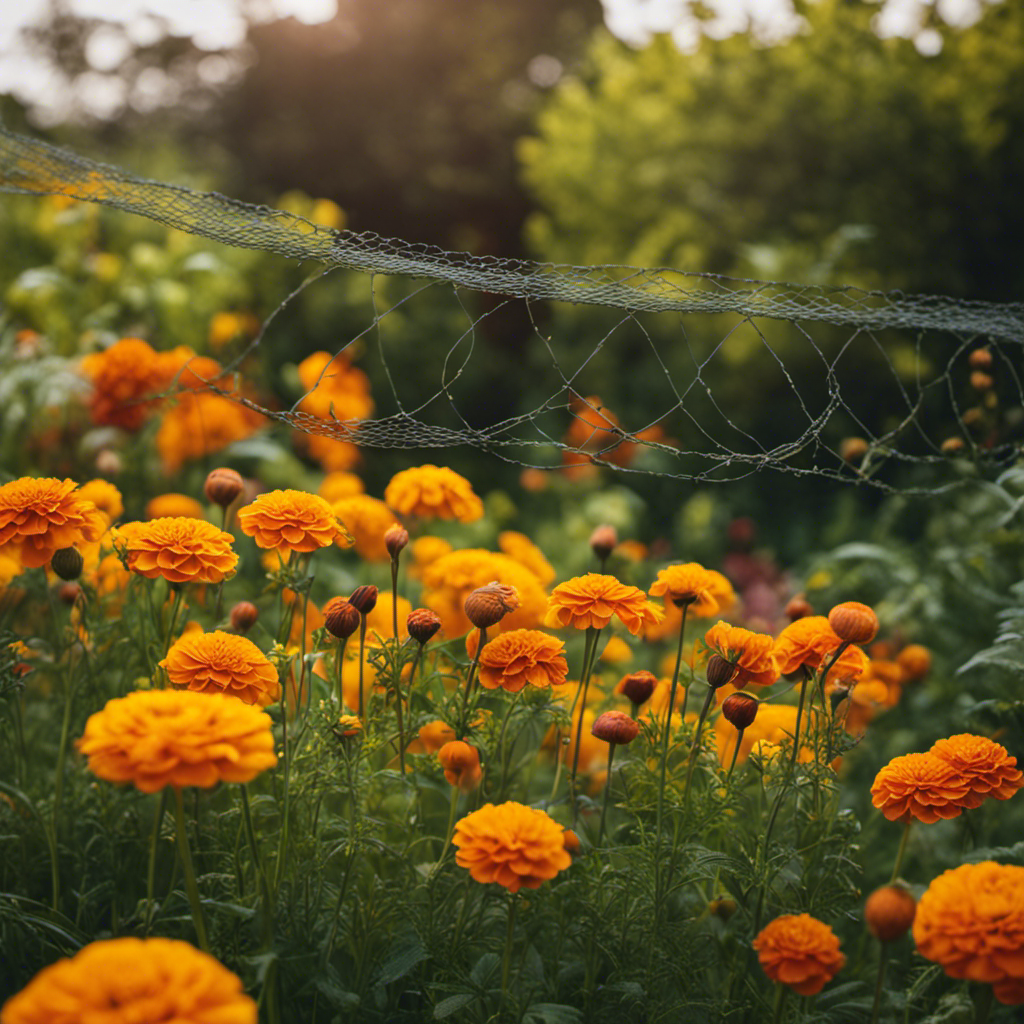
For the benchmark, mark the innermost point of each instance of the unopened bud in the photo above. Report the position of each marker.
(952, 446)
(422, 624)
(637, 687)
(854, 622)
(719, 671)
(487, 606)
(615, 727)
(853, 449)
(603, 541)
(223, 486)
(798, 608)
(889, 912)
(981, 381)
(980, 359)
(740, 709)
(395, 539)
(341, 618)
(67, 563)
(244, 616)
(364, 598)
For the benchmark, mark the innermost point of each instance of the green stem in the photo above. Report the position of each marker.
(607, 791)
(286, 782)
(767, 841)
(480, 642)
(901, 851)
(735, 754)
(879, 983)
(501, 743)
(695, 748)
(190, 876)
(780, 999)
(58, 781)
(506, 962)
(339, 665)
(984, 1005)
(154, 839)
(257, 861)
(450, 831)
(799, 716)
(590, 647)
(362, 659)
(175, 608)
(394, 596)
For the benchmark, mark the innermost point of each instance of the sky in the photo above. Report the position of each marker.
(217, 25)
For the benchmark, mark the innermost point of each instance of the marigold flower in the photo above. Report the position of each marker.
(592, 600)
(175, 505)
(752, 654)
(984, 764)
(799, 951)
(158, 738)
(221, 662)
(348, 726)
(889, 912)
(289, 521)
(740, 709)
(811, 641)
(336, 486)
(521, 656)
(686, 585)
(603, 540)
(67, 563)
(144, 981)
(510, 844)
(854, 622)
(434, 735)
(125, 377)
(520, 548)
(971, 921)
(334, 387)
(200, 423)
(461, 764)
(433, 492)
(395, 539)
(105, 496)
(915, 660)
(41, 515)
(181, 550)
(243, 616)
(367, 521)
(920, 786)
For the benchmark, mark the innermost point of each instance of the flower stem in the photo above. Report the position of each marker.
(799, 716)
(481, 640)
(879, 983)
(984, 1005)
(506, 962)
(190, 875)
(450, 831)
(154, 839)
(607, 791)
(339, 665)
(286, 782)
(695, 748)
(590, 646)
(257, 862)
(901, 851)
(362, 659)
(735, 754)
(665, 739)
(780, 999)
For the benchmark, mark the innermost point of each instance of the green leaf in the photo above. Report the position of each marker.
(553, 1013)
(404, 956)
(448, 1006)
(484, 968)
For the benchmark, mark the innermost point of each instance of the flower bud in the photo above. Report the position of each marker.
(740, 709)
(223, 486)
(364, 598)
(603, 541)
(461, 764)
(981, 381)
(341, 618)
(952, 446)
(722, 908)
(108, 462)
(422, 624)
(838, 695)
(915, 661)
(68, 592)
(719, 671)
(615, 727)
(854, 622)
(889, 912)
(348, 727)
(853, 449)
(980, 359)
(637, 687)
(571, 841)
(244, 616)
(798, 608)
(395, 538)
(487, 606)
(67, 563)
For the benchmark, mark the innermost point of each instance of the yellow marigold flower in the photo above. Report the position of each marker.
(592, 601)
(510, 844)
(723, 596)
(125, 377)
(799, 951)
(142, 981)
(811, 641)
(334, 386)
(971, 921)
(181, 550)
(10, 566)
(336, 486)
(520, 548)
(433, 492)
(689, 585)
(367, 520)
(449, 580)
(222, 663)
(348, 726)
(158, 738)
(381, 619)
(920, 786)
(226, 326)
(984, 764)
(616, 651)
(521, 656)
(289, 521)
(105, 496)
(752, 654)
(775, 723)
(425, 550)
(177, 505)
(333, 454)
(39, 516)
(200, 423)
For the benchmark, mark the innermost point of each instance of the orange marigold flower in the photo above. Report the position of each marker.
(689, 585)
(519, 547)
(158, 738)
(434, 735)
(125, 377)
(592, 600)
(799, 951)
(751, 653)
(105, 496)
(915, 660)
(200, 423)
(811, 641)
(971, 921)
(336, 486)
(139, 980)
(40, 515)
(521, 656)
(920, 786)
(289, 521)
(984, 764)
(367, 520)
(511, 844)
(222, 663)
(335, 387)
(433, 492)
(720, 589)
(181, 550)
(461, 764)
(164, 505)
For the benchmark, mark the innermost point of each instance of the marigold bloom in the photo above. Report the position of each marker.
(426, 550)
(520, 548)
(336, 486)
(510, 844)
(125, 377)
(811, 641)
(104, 495)
(920, 786)
(689, 584)
(433, 492)
(521, 656)
(181, 550)
(334, 387)
(222, 663)
(984, 764)
(971, 921)
(915, 660)
(175, 505)
(158, 738)
(461, 764)
(592, 600)
(434, 735)
(799, 951)
(752, 654)
(200, 423)
(41, 515)
(289, 521)
(367, 520)
(142, 981)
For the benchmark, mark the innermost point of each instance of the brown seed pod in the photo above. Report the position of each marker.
(487, 606)
(223, 486)
(364, 598)
(719, 671)
(854, 622)
(67, 563)
(422, 624)
(395, 539)
(603, 541)
(615, 727)
(243, 616)
(889, 912)
(637, 687)
(740, 709)
(341, 618)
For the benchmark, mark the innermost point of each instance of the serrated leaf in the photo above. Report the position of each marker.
(448, 1006)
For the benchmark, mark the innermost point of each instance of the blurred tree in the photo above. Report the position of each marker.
(835, 155)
